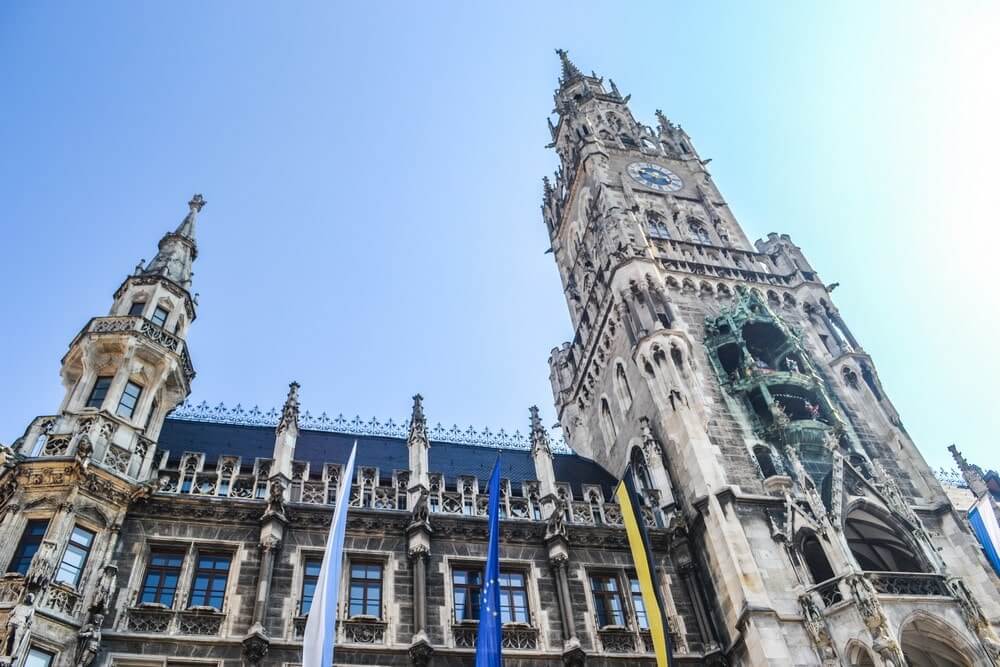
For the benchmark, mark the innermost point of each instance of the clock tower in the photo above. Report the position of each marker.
(719, 372)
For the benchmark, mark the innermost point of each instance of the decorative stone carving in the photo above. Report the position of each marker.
(255, 648)
(816, 625)
(88, 641)
(420, 654)
(866, 600)
(556, 526)
(42, 567)
(290, 411)
(420, 514)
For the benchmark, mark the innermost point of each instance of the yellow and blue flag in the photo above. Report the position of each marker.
(645, 568)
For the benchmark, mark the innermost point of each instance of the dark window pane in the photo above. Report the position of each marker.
(638, 604)
(159, 317)
(99, 391)
(467, 589)
(130, 396)
(210, 577)
(366, 589)
(159, 586)
(137, 308)
(26, 548)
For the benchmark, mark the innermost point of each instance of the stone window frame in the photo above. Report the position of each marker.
(191, 548)
(97, 547)
(536, 611)
(294, 601)
(21, 525)
(385, 558)
(621, 574)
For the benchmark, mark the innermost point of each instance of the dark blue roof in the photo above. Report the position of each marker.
(387, 454)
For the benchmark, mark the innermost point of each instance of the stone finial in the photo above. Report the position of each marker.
(290, 410)
(418, 423)
(665, 125)
(196, 203)
(569, 70)
(186, 228)
(972, 474)
(539, 436)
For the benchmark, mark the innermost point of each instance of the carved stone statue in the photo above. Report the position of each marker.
(556, 526)
(106, 586)
(14, 640)
(88, 642)
(420, 514)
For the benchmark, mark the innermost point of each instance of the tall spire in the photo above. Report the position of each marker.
(177, 249)
(570, 71)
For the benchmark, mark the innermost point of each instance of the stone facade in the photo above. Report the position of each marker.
(793, 520)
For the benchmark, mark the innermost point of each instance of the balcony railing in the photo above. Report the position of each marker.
(153, 620)
(515, 636)
(908, 583)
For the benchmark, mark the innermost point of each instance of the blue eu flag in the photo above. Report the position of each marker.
(490, 622)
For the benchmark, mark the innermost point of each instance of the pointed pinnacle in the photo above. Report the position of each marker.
(569, 70)
(186, 228)
(418, 408)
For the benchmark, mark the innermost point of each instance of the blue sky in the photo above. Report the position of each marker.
(373, 171)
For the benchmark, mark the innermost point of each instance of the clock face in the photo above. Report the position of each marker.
(656, 177)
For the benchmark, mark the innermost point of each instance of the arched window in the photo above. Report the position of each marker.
(622, 389)
(657, 225)
(764, 461)
(640, 471)
(698, 233)
(929, 642)
(608, 423)
(815, 559)
(678, 358)
(879, 546)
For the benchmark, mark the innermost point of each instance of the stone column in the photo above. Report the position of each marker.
(558, 548)
(418, 538)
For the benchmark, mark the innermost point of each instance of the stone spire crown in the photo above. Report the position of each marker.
(177, 249)
(539, 436)
(290, 411)
(973, 474)
(570, 72)
(418, 422)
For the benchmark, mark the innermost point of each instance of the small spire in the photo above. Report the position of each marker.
(973, 474)
(546, 187)
(570, 71)
(664, 122)
(539, 436)
(418, 422)
(290, 411)
(186, 228)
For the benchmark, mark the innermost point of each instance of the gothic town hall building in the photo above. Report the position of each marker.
(792, 517)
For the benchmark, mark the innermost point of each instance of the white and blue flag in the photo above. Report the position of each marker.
(987, 530)
(321, 626)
